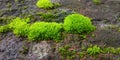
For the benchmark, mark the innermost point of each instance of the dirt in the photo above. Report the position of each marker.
(105, 18)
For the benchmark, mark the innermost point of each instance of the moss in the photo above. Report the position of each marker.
(48, 17)
(97, 2)
(55, 15)
(4, 28)
(46, 4)
(119, 19)
(19, 26)
(111, 50)
(94, 50)
(24, 7)
(45, 31)
(25, 50)
(56, 5)
(16, 0)
(81, 54)
(66, 53)
(22, 1)
(9, 5)
(77, 23)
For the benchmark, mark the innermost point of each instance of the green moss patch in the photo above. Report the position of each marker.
(77, 23)
(45, 30)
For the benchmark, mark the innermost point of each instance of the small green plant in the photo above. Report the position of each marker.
(66, 53)
(81, 54)
(57, 4)
(4, 28)
(119, 18)
(111, 50)
(47, 4)
(83, 37)
(97, 2)
(77, 23)
(16, 0)
(94, 50)
(47, 16)
(25, 50)
(45, 30)
(9, 5)
(118, 50)
(19, 26)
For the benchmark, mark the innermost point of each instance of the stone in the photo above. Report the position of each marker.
(56, 1)
(41, 50)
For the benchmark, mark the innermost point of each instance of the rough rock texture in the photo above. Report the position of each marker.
(11, 48)
(15, 48)
(56, 1)
(106, 35)
(17, 7)
(41, 50)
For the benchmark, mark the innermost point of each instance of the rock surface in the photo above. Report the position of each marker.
(41, 50)
(105, 17)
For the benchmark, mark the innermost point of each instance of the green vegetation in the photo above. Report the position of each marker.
(54, 15)
(19, 26)
(94, 50)
(16, 0)
(67, 53)
(83, 37)
(111, 50)
(119, 19)
(57, 4)
(81, 54)
(45, 30)
(77, 23)
(48, 16)
(97, 50)
(25, 50)
(4, 28)
(9, 5)
(97, 2)
(46, 4)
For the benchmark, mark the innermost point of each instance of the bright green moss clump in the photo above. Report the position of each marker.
(77, 23)
(45, 30)
(45, 4)
(19, 26)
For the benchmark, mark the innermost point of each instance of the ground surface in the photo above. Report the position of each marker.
(105, 17)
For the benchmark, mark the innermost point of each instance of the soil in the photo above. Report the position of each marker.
(104, 16)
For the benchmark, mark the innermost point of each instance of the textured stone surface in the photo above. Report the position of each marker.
(41, 50)
(11, 48)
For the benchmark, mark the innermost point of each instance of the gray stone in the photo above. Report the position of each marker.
(56, 1)
(41, 50)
